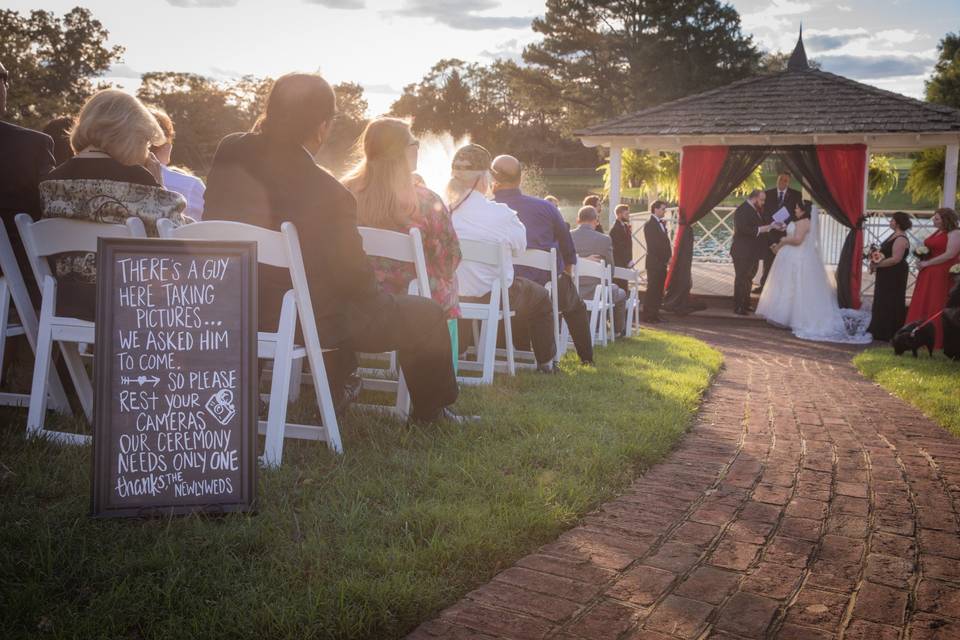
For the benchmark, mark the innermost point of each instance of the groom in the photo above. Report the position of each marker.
(749, 245)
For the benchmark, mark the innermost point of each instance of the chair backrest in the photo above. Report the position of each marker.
(623, 273)
(271, 246)
(402, 247)
(60, 235)
(490, 253)
(587, 268)
(537, 259)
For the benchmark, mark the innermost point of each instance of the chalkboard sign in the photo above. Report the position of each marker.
(175, 406)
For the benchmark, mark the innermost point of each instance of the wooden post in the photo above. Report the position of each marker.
(950, 176)
(615, 170)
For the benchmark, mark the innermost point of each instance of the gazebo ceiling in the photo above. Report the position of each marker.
(797, 106)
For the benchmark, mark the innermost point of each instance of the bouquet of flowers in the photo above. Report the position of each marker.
(921, 251)
(869, 252)
(955, 270)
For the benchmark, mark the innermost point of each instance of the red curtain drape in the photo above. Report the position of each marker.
(699, 168)
(844, 170)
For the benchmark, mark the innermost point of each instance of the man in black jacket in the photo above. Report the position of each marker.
(749, 243)
(620, 234)
(782, 196)
(269, 177)
(657, 261)
(26, 158)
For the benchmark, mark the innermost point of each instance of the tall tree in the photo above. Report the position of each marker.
(337, 152)
(925, 181)
(52, 62)
(604, 57)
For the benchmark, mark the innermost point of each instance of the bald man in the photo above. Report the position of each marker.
(546, 229)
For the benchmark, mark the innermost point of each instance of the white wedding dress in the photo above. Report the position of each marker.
(799, 295)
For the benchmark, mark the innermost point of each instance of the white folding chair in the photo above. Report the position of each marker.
(545, 261)
(632, 278)
(597, 304)
(403, 247)
(279, 249)
(488, 314)
(41, 240)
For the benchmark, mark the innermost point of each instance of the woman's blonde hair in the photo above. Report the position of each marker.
(117, 124)
(382, 180)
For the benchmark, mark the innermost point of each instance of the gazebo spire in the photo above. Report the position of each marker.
(798, 59)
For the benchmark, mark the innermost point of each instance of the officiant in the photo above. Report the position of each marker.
(780, 197)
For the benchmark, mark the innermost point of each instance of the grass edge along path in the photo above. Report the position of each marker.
(367, 545)
(930, 384)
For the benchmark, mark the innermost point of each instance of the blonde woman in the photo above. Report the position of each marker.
(113, 177)
(383, 182)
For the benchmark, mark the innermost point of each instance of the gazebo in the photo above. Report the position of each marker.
(821, 125)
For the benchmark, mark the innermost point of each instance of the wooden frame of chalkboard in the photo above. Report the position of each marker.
(114, 256)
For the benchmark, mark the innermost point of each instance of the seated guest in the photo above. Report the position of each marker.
(657, 262)
(594, 245)
(476, 218)
(113, 177)
(593, 201)
(622, 237)
(175, 178)
(268, 177)
(889, 309)
(388, 197)
(553, 200)
(546, 229)
(26, 159)
(59, 130)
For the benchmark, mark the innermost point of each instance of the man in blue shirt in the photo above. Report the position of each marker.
(546, 229)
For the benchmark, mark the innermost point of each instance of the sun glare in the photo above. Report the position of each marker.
(436, 155)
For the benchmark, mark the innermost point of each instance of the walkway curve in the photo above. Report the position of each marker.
(805, 504)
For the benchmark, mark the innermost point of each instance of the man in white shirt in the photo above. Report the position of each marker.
(477, 218)
(189, 186)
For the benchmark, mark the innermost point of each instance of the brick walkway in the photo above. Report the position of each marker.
(806, 503)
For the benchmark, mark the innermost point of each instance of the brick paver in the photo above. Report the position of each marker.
(806, 502)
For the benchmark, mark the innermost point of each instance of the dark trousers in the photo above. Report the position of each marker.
(745, 268)
(416, 329)
(768, 259)
(574, 313)
(652, 299)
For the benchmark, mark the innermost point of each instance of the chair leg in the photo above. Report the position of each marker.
(41, 365)
(508, 338)
(325, 401)
(81, 381)
(402, 405)
(4, 320)
(280, 386)
(296, 379)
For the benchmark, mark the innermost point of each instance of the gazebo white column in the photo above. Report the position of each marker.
(950, 176)
(615, 170)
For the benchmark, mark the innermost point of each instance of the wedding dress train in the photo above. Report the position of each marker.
(799, 295)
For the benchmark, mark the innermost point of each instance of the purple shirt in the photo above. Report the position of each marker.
(546, 229)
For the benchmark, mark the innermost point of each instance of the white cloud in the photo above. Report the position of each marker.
(462, 14)
(844, 8)
(898, 36)
(203, 4)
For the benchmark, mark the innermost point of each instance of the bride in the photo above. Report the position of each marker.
(799, 294)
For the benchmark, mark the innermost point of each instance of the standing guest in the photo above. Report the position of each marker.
(657, 260)
(113, 177)
(749, 245)
(934, 281)
(622, 237)
(594, 245)
(388, 197)
(593, 201)
(174, 178)
(546, 230)
(782, 196)
(59, 130)
(476, 218)
(268, 177)
(26, 159)
(889, 310)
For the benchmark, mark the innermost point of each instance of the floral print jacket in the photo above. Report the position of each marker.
(441, 248)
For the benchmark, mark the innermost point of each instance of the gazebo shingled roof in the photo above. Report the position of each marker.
(800, 102)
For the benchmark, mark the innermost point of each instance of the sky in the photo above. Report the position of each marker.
(387, 44)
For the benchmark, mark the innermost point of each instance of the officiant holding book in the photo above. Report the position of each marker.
(780, 197)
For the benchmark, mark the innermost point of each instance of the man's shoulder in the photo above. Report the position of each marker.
(26, 137)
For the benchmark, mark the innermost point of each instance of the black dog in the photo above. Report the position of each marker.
(913, 336)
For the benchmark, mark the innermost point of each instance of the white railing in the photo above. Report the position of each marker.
(713, 235)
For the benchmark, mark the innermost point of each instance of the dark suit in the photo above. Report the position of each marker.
(263, 183)
(657, 261)
(622, 248)
(26, 157)
(748, 247)
(791, 198)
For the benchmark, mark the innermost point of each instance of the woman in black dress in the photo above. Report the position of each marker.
(890, 289)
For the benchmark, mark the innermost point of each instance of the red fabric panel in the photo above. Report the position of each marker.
(699, 168)
(844, 170)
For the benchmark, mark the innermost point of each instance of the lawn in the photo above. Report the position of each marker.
(930, 384)
(366, 545)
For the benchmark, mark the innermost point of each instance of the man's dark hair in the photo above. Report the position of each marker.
(592, 201)
(656, 205)
(622, 207)
(785, 172)
(298, 104)
(754, 194)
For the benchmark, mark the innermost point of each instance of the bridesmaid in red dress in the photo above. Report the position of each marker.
(934, 281)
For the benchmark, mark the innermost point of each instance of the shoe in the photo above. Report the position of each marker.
(757, 289)
(588, 363)
(551, 368)
(348, 395)
(741, 312)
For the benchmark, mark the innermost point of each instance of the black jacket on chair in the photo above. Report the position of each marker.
(659, 250)
(622, 244)
(266, 184)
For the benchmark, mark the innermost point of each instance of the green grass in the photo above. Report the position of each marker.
(366, 545)
(930, 384)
